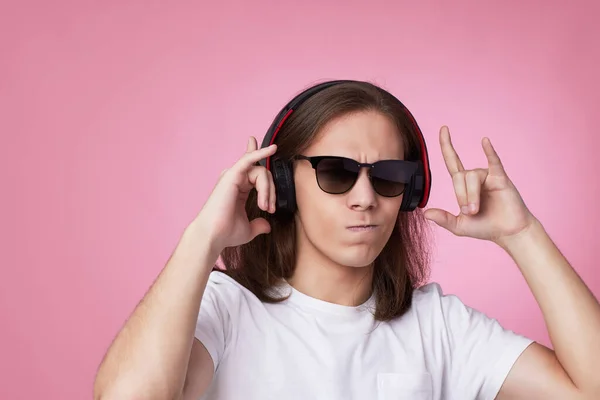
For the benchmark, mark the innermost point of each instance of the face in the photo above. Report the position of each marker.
(324, 220)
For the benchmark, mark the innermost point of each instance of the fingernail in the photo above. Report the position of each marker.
(464, 209)
(472, 207)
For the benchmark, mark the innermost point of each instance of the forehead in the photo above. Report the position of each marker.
(361, 135)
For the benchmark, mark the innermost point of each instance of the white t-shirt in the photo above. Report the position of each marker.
(305, 348)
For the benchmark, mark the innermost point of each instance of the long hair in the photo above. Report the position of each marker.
(402, 265)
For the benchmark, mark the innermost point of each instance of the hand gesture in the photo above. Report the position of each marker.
(224, 214)
(491, 207)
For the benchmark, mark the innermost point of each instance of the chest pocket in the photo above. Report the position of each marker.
(404, 386)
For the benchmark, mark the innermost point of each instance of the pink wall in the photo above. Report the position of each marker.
(116, 119)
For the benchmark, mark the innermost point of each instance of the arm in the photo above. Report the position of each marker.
(572, 316)
(492, 209)
(155, 356)
(149, 357)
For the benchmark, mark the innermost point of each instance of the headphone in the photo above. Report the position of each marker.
(416, 193)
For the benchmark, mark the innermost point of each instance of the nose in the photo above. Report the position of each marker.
(362, 196)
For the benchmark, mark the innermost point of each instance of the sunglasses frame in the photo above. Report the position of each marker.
(315, 160)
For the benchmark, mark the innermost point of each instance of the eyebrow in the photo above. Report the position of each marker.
(335, 154)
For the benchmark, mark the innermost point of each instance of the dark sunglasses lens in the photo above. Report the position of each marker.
(335, 175)
(390, 177)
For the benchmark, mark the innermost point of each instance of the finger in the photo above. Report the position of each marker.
(473, 191)
(259, 177)
(251, 158)
(251, 145)
(453, 163)
(460, 190)
(443, 219)
(259, 226)
(494, 163)
(272, 194)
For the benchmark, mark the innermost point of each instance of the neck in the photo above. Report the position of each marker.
(319, 277)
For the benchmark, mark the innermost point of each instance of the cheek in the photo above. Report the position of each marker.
(318, 212)
(314, 205)
(390, 212)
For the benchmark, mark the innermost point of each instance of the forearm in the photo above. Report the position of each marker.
(149, 357)
(571, 312)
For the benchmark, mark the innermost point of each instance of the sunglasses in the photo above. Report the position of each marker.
(337, 175)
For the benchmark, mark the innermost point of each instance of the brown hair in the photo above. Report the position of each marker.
(402, 265)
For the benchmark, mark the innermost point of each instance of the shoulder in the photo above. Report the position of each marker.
(220, 279)
(431, 300)
(433, 293)
(224, 285)
(455, 316)
(225, 290)
(429, 295)
(430, 288)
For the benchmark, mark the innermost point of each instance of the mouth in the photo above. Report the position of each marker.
(362, 228)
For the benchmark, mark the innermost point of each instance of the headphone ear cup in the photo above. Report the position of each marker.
(414, 190)
(285, 190)
(407, 196)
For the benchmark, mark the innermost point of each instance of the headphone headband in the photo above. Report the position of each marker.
(418, 191)
(290, 107)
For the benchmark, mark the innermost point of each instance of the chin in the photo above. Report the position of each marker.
(355, 256)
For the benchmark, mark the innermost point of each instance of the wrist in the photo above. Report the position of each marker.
(197, 244)
(523, 239)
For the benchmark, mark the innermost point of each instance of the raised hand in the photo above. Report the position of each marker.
(491, 207)
(224, 214)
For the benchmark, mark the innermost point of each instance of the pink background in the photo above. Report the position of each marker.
(117, 118)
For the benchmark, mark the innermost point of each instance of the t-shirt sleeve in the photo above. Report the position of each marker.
(482, 351)
(213, 326)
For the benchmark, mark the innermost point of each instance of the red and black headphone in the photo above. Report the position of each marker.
(416, 193)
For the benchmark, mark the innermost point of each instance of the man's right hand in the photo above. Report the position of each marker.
(224, 213)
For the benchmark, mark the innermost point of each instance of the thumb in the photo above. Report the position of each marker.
(259, 226)
(442, 218)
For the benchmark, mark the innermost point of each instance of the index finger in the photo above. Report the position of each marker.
(453, 163)
(252, 145)
(252, 157)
